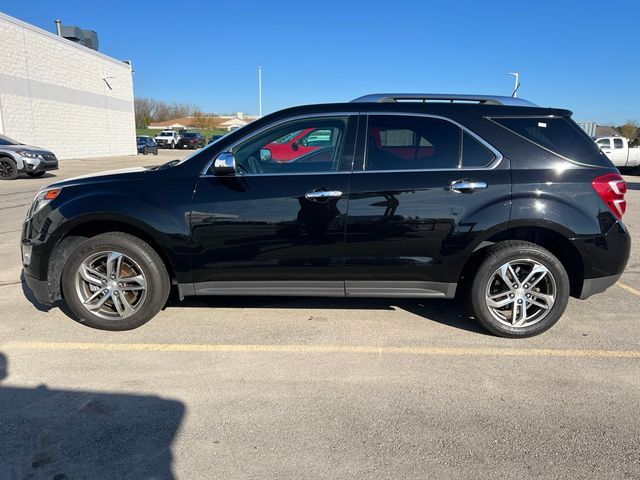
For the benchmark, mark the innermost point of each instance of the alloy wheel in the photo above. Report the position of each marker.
(111, 285)
(520, 293)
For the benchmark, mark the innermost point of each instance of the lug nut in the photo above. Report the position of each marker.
(512, 295)
(519, 300)
(526, 285)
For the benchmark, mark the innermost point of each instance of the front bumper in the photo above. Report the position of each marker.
(35, 165)
(40, 288)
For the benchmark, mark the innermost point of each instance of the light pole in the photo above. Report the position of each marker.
(516, 85)
(259, 91)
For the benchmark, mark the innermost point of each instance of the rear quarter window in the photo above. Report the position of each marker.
(559, 135)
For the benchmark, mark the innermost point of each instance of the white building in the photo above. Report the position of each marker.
(62, 96)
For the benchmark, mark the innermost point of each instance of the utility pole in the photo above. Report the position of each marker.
(260, 91)
(516, 85)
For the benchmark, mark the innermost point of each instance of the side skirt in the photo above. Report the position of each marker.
(350, 288)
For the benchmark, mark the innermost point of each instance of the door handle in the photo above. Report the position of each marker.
(322, 195)
(467, 186)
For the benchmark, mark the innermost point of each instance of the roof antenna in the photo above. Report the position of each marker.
(516, 85)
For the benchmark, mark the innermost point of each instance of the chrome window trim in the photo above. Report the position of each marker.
(207, 167)
(498, 157)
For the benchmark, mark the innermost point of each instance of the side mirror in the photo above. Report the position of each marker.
(224, 164)
(295, 146)
(265, 154)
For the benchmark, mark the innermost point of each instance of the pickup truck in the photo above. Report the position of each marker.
(167, 139)
(619, 152)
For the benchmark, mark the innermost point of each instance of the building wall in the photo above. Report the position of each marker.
(54, 94)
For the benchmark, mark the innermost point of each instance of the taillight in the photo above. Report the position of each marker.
(611, 189)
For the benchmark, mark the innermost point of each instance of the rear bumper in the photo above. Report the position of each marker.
(591, 286)
(39, 288)
(604, 259)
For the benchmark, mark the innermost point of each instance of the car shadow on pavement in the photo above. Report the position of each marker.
(64, 434)
(29, 177)
(446, 312)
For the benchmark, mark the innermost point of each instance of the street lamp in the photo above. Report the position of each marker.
(260, 91)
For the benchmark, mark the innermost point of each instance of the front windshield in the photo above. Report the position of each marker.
(8, 141)
(188, 135)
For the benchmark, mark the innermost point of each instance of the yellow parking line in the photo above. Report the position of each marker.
(426, 351)
(628, 288)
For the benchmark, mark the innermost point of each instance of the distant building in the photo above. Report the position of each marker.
(222, 122)
(63, 96)
(595, 131)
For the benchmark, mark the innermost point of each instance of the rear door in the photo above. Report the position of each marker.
(276, 227)
(424, 192)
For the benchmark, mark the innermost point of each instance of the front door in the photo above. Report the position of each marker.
(427, 189)
(276, 227)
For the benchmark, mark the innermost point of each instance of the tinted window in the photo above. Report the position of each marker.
(398, 142)
(559, 135)
(275, 151)
(474, 153)
(618, 143)
(604, 143)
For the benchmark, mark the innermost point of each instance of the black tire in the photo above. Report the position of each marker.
(36, 174)
(514, 251)
(8, 169)
(150, 263)
(173, 146)
(155, 151)
(145, 151)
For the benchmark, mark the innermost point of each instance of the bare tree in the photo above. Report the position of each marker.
(144, 109)
(630, 130)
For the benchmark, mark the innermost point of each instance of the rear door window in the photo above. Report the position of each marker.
(618, 143)
(398, 142)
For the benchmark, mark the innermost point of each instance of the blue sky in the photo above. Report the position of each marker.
(582, 55)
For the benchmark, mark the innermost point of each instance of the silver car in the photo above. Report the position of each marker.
(16, 158)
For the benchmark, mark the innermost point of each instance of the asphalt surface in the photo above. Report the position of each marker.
(250, 388)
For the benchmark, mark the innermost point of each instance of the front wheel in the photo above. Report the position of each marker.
(145, 151)
(519, 290)
(115, 281)
(8, 169)
(173, 146)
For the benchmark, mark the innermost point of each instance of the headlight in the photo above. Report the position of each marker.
(43, 198)
(25, 153)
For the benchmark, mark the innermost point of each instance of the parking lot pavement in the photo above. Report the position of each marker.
(314, 388)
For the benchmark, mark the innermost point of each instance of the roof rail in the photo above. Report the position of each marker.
(444, 97)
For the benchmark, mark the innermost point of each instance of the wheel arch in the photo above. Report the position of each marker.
(551, 237)
(82, 230)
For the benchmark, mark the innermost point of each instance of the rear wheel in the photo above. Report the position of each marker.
(8, 169)
(115, 281)
(519, 290)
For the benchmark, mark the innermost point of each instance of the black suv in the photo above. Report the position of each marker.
(510, 205)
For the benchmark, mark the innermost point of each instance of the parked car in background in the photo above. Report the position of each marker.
(510, 205)
(296, 144)
(192, 140)
(215, 137)
(17, 158)
(619, 152)
(167, 139)
(147, 145)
